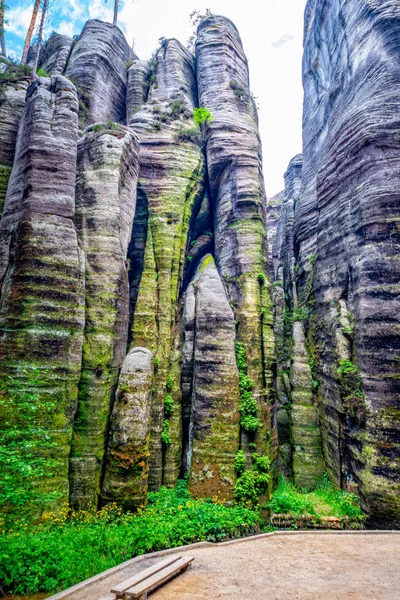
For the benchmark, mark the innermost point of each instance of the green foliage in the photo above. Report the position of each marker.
(168, 405)
(26, 448)
(169, 384)
(176, 109)
(325, 500)
(70, 548)
(42, 73)
(245, 492)
(261, 278)
(165, 437)
(301, 314)
(201, 115)
(191, 135)
(240, 463)
(262, 463)
(353, 396)
(287, 500)
(248, 404)
(252, 482)
(156, 364)
(13, 74)
(346, 367)
(312, 260)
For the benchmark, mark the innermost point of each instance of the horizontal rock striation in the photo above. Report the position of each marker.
(170, 190)
(233, 153)
(209, 355)
(41, 265)
(55, 53)
(107, 174)
(125, 480)
(12, 100)
(274, 206)
(347, 227)
(98, 65)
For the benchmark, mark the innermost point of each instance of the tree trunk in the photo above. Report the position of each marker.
(40, 37)
(30, 32)
(116, 3)
(2, 40)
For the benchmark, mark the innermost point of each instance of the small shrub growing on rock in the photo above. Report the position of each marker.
(240, 463)
(201, 115)
(168, 405)
(165, 437)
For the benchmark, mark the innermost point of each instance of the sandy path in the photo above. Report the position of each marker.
(304, 566)
(301, 567)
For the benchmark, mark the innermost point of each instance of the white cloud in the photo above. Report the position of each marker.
(99, 9)
(284, 39)
(19, 19)
(66, 28)
(74, 9)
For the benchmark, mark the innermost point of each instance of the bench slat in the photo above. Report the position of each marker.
(158, 579)
(139, 577)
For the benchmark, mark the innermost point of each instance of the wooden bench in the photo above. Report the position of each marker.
(150, 579)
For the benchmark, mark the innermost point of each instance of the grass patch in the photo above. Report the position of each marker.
(68, 548)
(325, 501)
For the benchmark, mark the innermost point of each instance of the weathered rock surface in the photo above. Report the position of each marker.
(345, 233)
(285, 305)
(12, 101)
(55, 53)
(41, 266)
(308, 464)
(233, 153)
(106, 183)
(171, 187)
(209, 356)
(274, 206)
(127, 467)
(98, 65)
(137, 87)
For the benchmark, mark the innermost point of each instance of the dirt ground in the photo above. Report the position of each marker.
(304, 566)
(301, 567)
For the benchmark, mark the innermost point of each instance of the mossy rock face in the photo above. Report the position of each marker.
(5, 173)
(127, 464)
(171, 189)
(338, 249)
(41, 264)
(237, 192)
(105, 206)
(210, 346)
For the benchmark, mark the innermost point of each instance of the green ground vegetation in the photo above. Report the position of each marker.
(67, 548)
(325, 501)
(26, 448)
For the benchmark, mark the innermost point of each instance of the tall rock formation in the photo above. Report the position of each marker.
(98, 65)
(126, 474)
(106, 183)
(233, 152)
(345, 281)
(171, 187)
(209, 354)
(55, 53)
(13, 86)
(41, 265)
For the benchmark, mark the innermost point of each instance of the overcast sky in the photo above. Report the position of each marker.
(271, 32)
